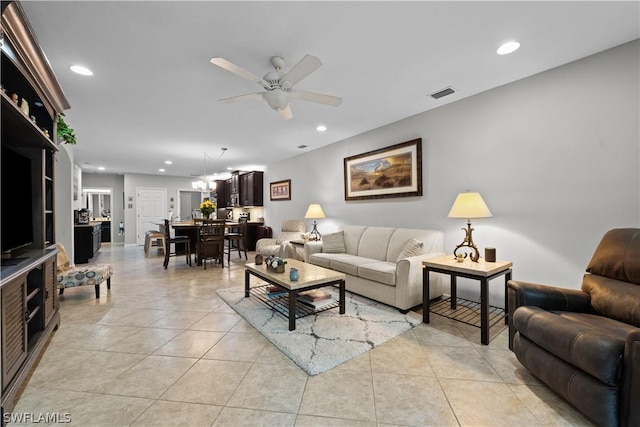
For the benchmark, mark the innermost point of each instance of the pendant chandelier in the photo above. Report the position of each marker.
(204, 184)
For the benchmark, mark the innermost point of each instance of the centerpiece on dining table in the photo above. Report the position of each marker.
(207, 207)
(275, 264)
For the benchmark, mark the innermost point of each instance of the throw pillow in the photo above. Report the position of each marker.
(334, 243)
(413, 247)
(62, 259)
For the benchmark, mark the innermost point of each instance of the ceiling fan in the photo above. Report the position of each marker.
(278, 85)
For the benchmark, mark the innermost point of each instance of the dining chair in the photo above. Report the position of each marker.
(211, 242)
(176, 241)
(237, 240)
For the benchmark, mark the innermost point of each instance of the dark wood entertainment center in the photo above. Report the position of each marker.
(28, 297)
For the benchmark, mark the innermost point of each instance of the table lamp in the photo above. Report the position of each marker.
(469, 205)
(314, 212)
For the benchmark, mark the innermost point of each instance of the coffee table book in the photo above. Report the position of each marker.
(318, 304)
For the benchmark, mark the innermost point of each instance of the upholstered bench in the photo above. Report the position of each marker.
(86, 275)
(91, 274)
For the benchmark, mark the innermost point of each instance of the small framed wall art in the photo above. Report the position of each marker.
(280, 190)
(394, 171)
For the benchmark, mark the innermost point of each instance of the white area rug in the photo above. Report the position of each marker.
(323, 341)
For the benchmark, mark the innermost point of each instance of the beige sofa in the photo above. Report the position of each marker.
(370, 262)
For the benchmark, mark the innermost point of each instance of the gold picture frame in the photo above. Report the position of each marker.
(280, 190)
(394, 171)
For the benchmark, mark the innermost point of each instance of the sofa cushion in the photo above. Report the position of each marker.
(352, 236)
(379, 271)
(413, 247)
(344, 263)
(374, 243)
(333, 243)
(613, 298)
(590, 342)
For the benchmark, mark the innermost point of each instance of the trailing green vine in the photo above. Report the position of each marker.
(65, 132)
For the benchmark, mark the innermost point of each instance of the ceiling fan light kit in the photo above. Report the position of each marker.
(279, 85)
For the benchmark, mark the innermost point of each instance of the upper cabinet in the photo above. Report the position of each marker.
(251, 188)
(244, 189)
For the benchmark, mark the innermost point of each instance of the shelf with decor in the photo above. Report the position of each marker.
(28, 298)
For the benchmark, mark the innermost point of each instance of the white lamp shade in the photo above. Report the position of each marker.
(469, 205)
(314, 212)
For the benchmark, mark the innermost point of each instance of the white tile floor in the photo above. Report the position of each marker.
(161, 349)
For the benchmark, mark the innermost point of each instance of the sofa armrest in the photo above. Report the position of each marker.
(409, 279)
(311, 247)
(545, 297)
(630, 391)
(265, 241)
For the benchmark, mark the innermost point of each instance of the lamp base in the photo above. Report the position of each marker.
(315, 233)
(468, 243)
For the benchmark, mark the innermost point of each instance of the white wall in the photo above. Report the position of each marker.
(64, 197)
(556, 156)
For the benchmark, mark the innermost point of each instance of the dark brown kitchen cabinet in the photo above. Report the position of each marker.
(251, 188)
(87, 239)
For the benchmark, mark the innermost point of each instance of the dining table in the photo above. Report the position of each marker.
(192, 230)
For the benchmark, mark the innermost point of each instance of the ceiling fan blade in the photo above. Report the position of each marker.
(315, 97)
(286, 113)
(302, 69)
(238, 98)
(233, 68)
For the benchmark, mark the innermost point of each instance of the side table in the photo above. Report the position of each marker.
(481, 270)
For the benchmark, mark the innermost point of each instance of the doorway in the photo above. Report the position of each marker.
(151, 212)
(188, 200)
(98, 202)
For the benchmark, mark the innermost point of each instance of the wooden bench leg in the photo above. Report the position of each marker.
(98, 291)
(109, 283)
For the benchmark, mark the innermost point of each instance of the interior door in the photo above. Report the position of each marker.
(152, 204)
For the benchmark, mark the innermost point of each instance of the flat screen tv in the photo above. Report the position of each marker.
(16, 203)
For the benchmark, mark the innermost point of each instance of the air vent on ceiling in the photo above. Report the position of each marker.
(444, 92)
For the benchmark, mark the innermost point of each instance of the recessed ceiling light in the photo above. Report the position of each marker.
(100, 168)
(507, 48)
(321, 128)
(160, 170)
(168, 162)
(81, 70)
(229, 168)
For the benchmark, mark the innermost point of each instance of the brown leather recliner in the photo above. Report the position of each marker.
(585, 344)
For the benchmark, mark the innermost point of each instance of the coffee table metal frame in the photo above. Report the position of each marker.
(307, 281)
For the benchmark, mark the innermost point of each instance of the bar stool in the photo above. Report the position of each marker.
(153, 238)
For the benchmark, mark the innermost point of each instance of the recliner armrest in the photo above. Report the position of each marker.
(630, 390)
(546, 297)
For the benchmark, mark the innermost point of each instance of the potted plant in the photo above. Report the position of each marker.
(207, 207)
(64, 132)
(276, 264)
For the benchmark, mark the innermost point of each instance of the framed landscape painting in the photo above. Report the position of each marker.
(280, 190)
(394, 171)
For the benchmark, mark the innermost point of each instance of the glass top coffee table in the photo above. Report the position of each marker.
(311, 277)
